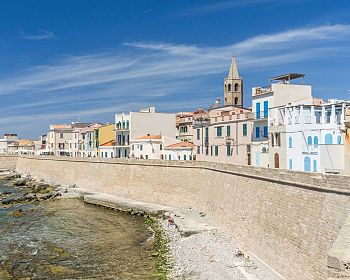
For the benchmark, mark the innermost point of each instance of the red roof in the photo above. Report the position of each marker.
(108, 144)
(149, 137)
(180, 145)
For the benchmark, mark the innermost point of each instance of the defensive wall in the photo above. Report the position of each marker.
(296, 222)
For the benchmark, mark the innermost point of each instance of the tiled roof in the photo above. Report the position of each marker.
(149, 137)
(180, 145)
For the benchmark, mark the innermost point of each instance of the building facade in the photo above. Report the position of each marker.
(280, 92)
(225, 136)
(309, 138)
(137, 124)
(184, 126)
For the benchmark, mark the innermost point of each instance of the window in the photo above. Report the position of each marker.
(206, 135)
(169, 157)
(290, 164)
(211, 150)
(198, 134)
(290, 142)
(236, 88)
(216, 150)
(236, 100)
(257, 109)
(339, 139)
(132, 147)
(245, 132)
(228, 150)
(328, 139)
(315, 141)
(228, 130)
(315, 165)
(207, 150)
(198, 150)
(184, 157)
(161, 147)
(266, 109)
(265, 132)
(141, 148)
(146, 156)
(309, 141)
(219, 131)
(229, 87)
(190, 157)
(61, 135)
(307, 164)
(257, 132)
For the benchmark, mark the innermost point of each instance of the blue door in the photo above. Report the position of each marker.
(307, 164)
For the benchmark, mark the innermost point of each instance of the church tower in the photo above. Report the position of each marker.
(233, 86)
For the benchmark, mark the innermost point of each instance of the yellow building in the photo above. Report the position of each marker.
(103, 135)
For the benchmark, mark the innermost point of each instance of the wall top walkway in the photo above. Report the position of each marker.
(312, 181)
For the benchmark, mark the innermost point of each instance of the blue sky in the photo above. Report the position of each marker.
(72, 60)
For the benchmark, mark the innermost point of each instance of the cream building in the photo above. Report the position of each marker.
(184, 126)
(281, 91)
(137, 124)
(178, 151)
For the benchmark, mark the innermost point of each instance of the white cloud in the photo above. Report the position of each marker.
(144, 73)
(42, 35)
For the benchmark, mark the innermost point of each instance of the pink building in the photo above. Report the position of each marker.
(225, 136)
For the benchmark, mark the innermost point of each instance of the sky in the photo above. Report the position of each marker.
(78, 60)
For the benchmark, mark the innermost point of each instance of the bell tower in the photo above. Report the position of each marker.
(233, 86)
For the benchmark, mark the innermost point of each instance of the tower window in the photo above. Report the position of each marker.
(236, 87)
(229, 87)
(236, 100)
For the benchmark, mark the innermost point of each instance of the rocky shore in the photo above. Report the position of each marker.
(186, 245)
(28, 189)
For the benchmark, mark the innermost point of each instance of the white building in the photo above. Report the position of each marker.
(309, 137)
(280, 92)
(107, 150)
(137, 124)
(179, 151)
(8, 139)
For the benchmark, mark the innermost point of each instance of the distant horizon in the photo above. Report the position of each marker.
(65, 61)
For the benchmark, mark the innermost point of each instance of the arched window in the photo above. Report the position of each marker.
(309, 141)
(236, 100)
(229, 87)
(315, 141)
(339, 139)
(290, 164)
(290, 142)
(328, 139)
(315, 165)
(264, 150)
(236, 87)
(307, 164)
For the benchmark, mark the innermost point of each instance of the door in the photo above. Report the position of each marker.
(277, 161)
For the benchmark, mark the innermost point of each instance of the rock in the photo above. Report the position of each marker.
(17, 213)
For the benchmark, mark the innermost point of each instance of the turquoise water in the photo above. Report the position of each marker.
(67, 239)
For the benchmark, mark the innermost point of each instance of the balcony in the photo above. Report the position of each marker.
(261, 115)
(122, 144)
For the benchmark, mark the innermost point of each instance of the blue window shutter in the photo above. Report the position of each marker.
(266, 109)
(258, 110)
(257, 132)
(265, 131)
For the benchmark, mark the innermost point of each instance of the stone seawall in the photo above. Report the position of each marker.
(290, 220)
(8, 162)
